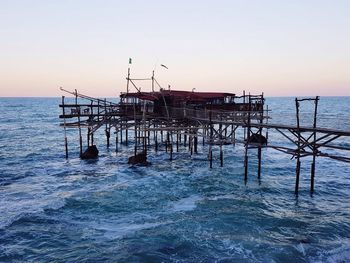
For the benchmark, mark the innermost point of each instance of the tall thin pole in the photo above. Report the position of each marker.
(247, 142)
(65, 129)
(314, 149)
(211, 140)
(78, 112)
(128, 79)
(298, 149)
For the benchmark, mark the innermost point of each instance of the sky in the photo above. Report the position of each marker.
(281, 48)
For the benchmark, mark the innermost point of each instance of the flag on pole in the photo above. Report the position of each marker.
(130, 60)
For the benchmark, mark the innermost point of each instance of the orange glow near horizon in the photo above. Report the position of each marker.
(281, 49)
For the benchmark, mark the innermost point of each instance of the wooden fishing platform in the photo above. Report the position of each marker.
(148, 120)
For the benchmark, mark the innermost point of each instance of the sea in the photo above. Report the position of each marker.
(54, 209)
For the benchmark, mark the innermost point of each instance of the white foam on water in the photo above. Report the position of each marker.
(340, 254)
(117, 228)
(28, 197)
(186, 204)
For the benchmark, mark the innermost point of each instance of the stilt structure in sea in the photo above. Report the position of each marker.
(165, 119)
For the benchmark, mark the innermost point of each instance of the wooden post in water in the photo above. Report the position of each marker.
(126, 133)
(121, 132)
(135, 137)
(88, 137)
(116, 139)
(221, 152)
(211, 140)
(177, 141)
(190, 144)
(195, 142)
(78, 112)
(203, 134)
(167, 142)
(171, 147)
(65, 129)
(314, 149)
(261, 119)
(155, 138)
(107, 130)
(247, 141)
(298, 149)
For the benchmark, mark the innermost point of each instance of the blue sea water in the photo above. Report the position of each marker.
(58, 210)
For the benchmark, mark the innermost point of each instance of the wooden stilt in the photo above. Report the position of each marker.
(246, 163)
(211, 140)
(298, 149)
(259, 162)
(314, 150)
(195, 142)
(221, 157)
(297, 177)
(88, 137)
(167, 142)
(126, 133)
(203, 135)
(211, 158)
(65, 129)
(121, 132)
(177, 141)
(108, 135)
(116, 139)
(171, 150)
(79, 127)
(66, 146)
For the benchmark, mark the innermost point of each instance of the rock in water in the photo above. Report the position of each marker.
(140, 158)
(257, 138)
(90, 153)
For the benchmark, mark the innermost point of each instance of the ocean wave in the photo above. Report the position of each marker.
(11, 212)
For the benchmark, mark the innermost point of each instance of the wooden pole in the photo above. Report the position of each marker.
(196, 142)
(105, 118)
(156, 139)
(203, 135)
(171, 148)
(298, 149)
(211, 140)
(121, 132)
(260, 134)
(247, 142)
(78, 111)
(88, 137)
(126, 133)
(177, 141)
(167, 142)
(314, 149)
(65, 129)
(116, 139)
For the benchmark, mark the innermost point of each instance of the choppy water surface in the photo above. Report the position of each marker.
(57, 210)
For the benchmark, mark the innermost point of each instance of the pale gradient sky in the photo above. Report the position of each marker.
(281, 48)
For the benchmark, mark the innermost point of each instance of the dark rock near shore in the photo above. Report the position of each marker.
(90, 153)
(140, 159)
(257, 138)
